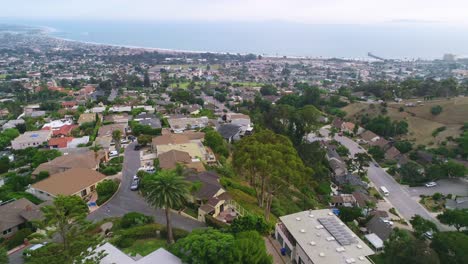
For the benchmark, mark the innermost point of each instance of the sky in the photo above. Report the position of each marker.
(301, 11)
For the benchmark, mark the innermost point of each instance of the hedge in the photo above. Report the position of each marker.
(147, 231)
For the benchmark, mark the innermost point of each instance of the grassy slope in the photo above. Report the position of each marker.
(421, 122)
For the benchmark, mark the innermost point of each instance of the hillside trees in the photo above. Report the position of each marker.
(269, 162)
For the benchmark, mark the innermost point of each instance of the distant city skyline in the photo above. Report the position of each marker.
(302, 11)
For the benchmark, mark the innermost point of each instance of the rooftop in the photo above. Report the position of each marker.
(325, 238)
(69, 182)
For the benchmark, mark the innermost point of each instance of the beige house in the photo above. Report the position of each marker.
(86, 118)
(185, 143)
(15, 214)
(88, 160)
(76, 181)
(31, 139)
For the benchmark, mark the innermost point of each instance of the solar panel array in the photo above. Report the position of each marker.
(337, 231)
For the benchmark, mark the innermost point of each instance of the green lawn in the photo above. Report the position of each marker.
(2, 76)
(145, 246)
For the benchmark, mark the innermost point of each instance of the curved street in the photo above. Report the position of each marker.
(130, 201)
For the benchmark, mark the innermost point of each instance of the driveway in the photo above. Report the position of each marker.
(17, 257)
(400, 197)
(457, 187)
(130, 201)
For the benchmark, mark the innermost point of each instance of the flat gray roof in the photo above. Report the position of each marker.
(320, 245)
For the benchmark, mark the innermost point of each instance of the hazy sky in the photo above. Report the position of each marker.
(306, 11)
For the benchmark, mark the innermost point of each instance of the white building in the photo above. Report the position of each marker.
(31, 139)
(320, 237)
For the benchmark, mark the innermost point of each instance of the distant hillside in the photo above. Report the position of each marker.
(420, 120)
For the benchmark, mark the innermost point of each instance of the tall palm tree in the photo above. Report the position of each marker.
(117, 136)
(167, 189)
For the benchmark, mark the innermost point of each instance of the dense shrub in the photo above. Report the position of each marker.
(135, 219)
(124, 242)
(18, 238)
(250, 223)
(225, 182)
(105, 190)
(215, 223)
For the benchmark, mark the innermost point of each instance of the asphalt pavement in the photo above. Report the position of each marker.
(130, 201)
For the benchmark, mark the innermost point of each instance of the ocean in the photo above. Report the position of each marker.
(402, 40)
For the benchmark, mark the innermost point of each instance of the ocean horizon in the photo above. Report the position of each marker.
(402, 40)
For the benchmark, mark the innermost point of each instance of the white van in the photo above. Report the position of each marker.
(384, 190)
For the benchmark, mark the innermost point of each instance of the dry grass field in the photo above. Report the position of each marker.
(420, 120)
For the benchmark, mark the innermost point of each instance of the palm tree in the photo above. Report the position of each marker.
(96, 148)
(117, 136)
(167, 189)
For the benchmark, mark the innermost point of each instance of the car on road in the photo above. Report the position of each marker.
(135, 184)
(113, 153)
(384, 190)
(430, 184)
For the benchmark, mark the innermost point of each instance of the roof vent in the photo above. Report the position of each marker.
(359, 246)
(362, 258)
(318, 234)
(340, 249)
(298, 219)
(312, 243)
(330, 213)
(319, 226)
(311, 216)
(341, 224)
(350, 260)
(302, 230)
(330, 238)
(322, 254)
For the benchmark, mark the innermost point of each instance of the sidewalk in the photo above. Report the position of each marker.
(273, 249)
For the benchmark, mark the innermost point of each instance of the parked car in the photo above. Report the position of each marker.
(431, 184)
(124, 141)
(429, 234)
(137, 147)
(135, 184)
(113, 153)
(28, 251)
(132, 138)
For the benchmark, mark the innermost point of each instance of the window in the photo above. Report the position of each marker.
(7, 231)
(83, 193)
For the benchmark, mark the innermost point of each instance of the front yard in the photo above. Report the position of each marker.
(144, 247)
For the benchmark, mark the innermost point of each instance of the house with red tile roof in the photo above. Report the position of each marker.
(64, 130)
(60, 142)
(69, 104)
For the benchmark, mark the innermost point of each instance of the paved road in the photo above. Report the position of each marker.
(400, 196)
(457, 187)
(17, 257)
(129, 201)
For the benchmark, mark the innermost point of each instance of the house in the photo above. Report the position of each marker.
(31, 139)
(61, 142)
(15, 214)
(107, 130)
(240, 119)
(63, 131)
(113, 255)
(193, 109)
(381, 143)
(362, 199)
(337, 164)
(346, 200)
(350, 179)
(117, 118)
(170, 159)
(189, 143)
(69, 104)
(86, 118)
(76, 142)
(461, 202)
(348, 127)
(149, 120)
(320, 237)
(87, 159)
(369, 136)
(211, 197)
(76, 181)
(230, 132)
(392, 153)
(180, 124)
(13, 123)
(337, 123)
(381, 228)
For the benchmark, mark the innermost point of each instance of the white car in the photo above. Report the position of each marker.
(113, 153)
(431, 184)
